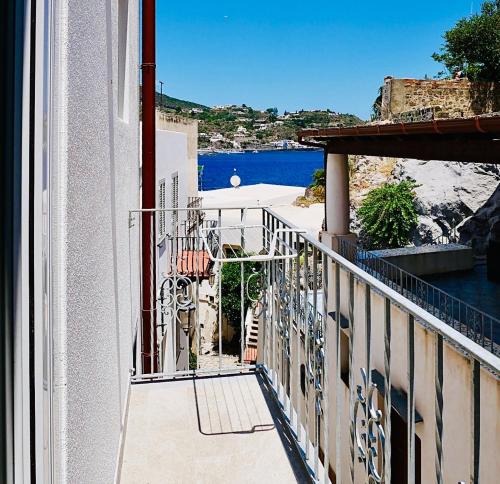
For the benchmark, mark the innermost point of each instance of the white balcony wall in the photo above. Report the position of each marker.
(94, 178)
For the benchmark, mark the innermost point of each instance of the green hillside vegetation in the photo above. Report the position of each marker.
(251, 128)
(176, 104)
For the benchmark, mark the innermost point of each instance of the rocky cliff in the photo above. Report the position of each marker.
(484, 225)
(451, 196)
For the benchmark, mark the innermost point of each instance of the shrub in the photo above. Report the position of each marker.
(388, 215)
(193, 360)
(319, 178)
(231, 289)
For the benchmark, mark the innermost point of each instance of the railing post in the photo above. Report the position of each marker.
(242, 302)
(368, 336)
(314, 355)
(298, 323)
(219, 216)
(439, 407)
(326, 383)
(352, 428)
(411, 398)
(306, 340)
(338, 379)
(387, 384)
(475, 420)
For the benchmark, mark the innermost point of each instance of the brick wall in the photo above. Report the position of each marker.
(409, 99)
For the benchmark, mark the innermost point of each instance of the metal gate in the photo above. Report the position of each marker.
(206, 288)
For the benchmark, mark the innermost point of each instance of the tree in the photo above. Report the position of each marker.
(319, 178)
(231, 289)
(473, 45)
(272, 111)
(377, 104)
(388, 215)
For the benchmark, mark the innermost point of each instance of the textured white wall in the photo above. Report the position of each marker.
(95, 181)
(171, 157)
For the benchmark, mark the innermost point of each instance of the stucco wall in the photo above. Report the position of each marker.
(94, 182)
(443, 98)
(171, 158)
(178, 124)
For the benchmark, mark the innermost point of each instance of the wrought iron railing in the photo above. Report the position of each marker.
(482, 328)
(346, 352)
(327, 351)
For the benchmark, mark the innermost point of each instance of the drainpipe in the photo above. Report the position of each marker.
(149, 349)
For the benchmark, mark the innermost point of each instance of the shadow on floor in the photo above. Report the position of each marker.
(229, 406)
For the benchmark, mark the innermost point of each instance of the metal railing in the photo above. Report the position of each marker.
(482, 328)
(346, 353)
(328, 350)
(188, 285)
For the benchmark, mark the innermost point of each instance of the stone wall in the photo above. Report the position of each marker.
(410, 99)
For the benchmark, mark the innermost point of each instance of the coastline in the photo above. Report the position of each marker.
(211, 151)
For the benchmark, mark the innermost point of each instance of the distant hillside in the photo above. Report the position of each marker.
(172, 103)
(242, 127)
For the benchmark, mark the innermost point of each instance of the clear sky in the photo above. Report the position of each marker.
(298, 54)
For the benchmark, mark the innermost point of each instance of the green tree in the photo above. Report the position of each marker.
(319, 178)
(388, 215)
(473, 45)
(377, 105)
(231, 289)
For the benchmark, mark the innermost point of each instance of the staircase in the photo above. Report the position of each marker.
(251, 337)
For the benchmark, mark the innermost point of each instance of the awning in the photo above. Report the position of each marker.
(475, 140)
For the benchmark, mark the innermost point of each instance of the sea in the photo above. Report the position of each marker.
(279, 167)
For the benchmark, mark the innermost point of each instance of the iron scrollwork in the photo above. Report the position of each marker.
(369, 430)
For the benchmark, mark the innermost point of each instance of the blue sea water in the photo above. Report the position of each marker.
(283, 167)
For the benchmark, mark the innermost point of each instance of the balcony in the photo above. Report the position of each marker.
(275, 359)
(208, 430)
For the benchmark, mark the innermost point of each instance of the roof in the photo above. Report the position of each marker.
(193, 263)
(467, 139)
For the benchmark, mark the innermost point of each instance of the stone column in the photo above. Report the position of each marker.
(337, 194)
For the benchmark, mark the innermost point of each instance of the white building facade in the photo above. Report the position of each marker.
(70, 327)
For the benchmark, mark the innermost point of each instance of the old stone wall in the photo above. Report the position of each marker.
(419, 100)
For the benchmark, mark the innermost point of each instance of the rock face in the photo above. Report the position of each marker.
(484, 225)
(449, 193)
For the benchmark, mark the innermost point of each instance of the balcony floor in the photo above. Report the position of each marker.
(207, 430)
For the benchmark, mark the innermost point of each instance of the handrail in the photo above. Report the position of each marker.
(486, 358)
(201, 209)
(408, 282)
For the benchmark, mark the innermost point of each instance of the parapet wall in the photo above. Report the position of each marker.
(414, 99)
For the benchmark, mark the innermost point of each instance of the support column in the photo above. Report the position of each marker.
(337, 194)
(337, 204)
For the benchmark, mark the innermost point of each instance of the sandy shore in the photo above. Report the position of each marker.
(279, 198)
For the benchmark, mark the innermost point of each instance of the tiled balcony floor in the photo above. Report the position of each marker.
(207, 430)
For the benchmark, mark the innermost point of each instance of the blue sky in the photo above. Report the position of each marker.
(293, 55)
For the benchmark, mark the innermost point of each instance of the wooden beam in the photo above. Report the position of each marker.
(465, 149)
